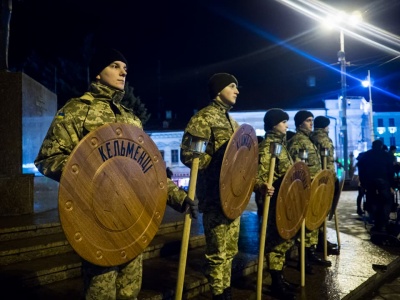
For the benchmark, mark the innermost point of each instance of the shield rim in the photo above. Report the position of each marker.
(288, 233)
(311, 225)
(226, 197)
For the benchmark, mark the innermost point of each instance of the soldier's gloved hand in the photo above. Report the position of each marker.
(267, 190)
(191, 206)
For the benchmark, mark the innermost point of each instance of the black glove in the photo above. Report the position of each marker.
(190, 205)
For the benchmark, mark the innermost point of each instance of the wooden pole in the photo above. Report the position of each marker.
(276, 148)
(302, 253)
(303, 154)
(186, 230)
(325, 163)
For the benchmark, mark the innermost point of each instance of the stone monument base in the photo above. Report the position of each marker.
(16, 195)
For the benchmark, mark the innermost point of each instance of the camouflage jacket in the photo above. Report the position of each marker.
(77, 118)
(301, 140)
(322, 140)
(214, 124)
(282, 162)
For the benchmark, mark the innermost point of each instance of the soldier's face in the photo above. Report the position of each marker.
(282, 127)
(308, 124)
(229, 94)
(114, 75)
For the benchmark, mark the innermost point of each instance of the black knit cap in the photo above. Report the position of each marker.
(273, 117)
(321, 122)
(218, 82)
(103, 58)
(301, 116)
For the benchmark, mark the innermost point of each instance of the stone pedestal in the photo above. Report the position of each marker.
(27, 109)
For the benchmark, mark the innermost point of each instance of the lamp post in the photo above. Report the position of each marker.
(371, 111)
(368, 83)
(343, 111)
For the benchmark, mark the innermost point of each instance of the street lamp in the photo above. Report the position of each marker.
(352, 20)
(368, 83)
(343, 97)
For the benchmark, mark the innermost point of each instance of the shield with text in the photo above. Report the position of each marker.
(322, 189)
(238, 171)
(112, 194)
(292, 201)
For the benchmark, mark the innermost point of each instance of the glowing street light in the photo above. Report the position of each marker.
(368, 83)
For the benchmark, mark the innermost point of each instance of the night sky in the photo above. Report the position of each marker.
(173, 47)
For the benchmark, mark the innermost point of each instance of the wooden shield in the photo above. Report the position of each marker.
(322, 189)
(238, 171)
(112, 194)
(292, 201)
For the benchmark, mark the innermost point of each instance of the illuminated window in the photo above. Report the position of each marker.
(174, 156)
(392, 126)
(381, 128)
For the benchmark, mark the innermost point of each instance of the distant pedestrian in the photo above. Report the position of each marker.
(375, 169)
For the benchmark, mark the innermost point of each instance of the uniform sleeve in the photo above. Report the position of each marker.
(294, 148)
(263, 168)
(60, 140)
(176, 196)
(197, 128)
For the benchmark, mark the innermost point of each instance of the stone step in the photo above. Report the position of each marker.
(44, 270)
(50, 257)
(27, 226)
(28, 249)
(15, 250)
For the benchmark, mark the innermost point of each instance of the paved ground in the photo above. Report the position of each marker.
(357, 273)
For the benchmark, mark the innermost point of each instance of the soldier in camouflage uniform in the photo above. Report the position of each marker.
(322, 141)
(275, 126)
(213, 123)
(79, 116)
(301, 141)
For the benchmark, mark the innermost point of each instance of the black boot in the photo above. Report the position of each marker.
(332, 249)
(227, 293)
(308, 269)
(314, 259)
(218, 297)
(278, 287)
(290, 286)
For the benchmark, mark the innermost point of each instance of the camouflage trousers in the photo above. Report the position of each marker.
(311, 238)
(109, 283)
(222, 236)
(277, 257)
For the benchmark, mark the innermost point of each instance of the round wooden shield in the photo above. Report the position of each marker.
(292, 201)
(322, 189)
(112, 194)
(238, 171)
